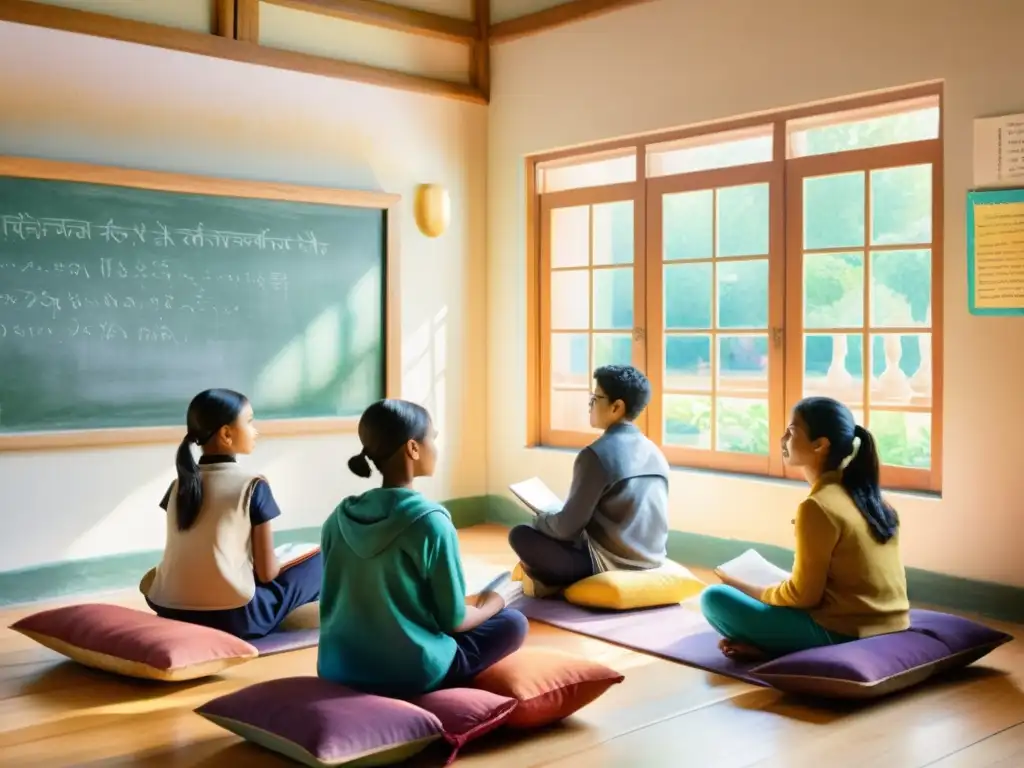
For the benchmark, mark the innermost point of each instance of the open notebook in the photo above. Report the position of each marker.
(537, 496)
(751, 568)
(292, 554)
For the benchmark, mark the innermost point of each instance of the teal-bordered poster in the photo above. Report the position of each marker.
(995, 252)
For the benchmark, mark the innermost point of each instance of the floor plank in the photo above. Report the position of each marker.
(55, 713)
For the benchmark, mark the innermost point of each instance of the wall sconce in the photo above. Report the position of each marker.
(433, 209)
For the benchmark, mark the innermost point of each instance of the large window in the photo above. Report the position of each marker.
(744, 267)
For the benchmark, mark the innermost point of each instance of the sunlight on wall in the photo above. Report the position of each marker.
(130, 526)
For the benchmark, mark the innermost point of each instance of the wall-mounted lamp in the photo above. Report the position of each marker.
(433, 209)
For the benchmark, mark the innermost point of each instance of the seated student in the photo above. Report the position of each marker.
(848, 580)
(219, 568)
(616, 514)
(395, 619)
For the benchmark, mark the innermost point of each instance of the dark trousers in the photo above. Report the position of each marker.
(500, 636)
(272, 602)
(550, 561)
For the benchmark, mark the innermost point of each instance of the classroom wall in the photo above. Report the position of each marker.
(85, 99)
(676, 62)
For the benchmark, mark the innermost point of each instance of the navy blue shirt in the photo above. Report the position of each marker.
(262, 506)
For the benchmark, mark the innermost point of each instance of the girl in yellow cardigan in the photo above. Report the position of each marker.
(848, 580)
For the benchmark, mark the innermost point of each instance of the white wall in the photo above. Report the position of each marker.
(85, 99)
(677, 62)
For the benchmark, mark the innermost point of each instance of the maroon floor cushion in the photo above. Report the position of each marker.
(135, 643)
(319, 723)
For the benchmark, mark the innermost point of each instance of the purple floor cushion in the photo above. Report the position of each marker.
(319, 723)
(880, 665)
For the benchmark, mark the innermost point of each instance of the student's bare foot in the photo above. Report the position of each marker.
(740, 651)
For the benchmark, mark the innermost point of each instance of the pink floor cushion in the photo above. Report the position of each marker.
(135, 643)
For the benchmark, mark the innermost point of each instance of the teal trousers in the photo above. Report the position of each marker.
(776, 631)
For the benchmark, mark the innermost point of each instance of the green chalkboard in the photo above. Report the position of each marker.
(119, 304)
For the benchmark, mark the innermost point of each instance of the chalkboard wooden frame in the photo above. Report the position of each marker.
(53, 170)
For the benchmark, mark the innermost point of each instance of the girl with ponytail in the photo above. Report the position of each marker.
(395, 619)
(219, 568)
(848, 579)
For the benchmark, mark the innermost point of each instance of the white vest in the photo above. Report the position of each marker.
(209, 567)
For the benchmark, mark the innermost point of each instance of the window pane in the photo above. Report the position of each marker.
(688, 296)
(703, 153)
(570, 237)
(901, 205)
(901, 369)
(903, 439)
(613, 233)
(688, 362)
(834, 367)
(687, 225)
(570, 363)
(860, 130)
(743, 364)
(613, 298)
(743, 221)
(570, 410)
(743, 294)
(834, 211)
(570, 300)
(742, 425)
(901, 288)
(613, 349)
(687, 421)
(833, 290)
(593, 172)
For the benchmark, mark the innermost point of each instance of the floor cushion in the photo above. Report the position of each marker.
(135, 643)
(877, 666)
(320, 723)
(466, 714)
(629, 590)
(549, 685)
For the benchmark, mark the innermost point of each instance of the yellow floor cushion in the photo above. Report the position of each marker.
(625, 590)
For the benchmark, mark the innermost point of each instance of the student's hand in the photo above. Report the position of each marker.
(490, 601)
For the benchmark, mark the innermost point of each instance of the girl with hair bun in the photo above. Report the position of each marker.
(219, 568)
(395, 619)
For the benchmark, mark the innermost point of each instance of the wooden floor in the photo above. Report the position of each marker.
(55, 713)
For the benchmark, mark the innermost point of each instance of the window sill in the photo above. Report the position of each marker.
(730, 475)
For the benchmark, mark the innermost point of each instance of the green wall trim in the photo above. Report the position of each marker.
(926, 588)
(123, 571)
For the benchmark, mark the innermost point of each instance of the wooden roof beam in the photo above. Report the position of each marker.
(391, 17)
(158, 36)
(557, 16)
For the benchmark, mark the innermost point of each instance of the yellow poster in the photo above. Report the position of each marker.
(998, 277)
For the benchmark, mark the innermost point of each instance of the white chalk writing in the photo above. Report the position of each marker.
(22, 226)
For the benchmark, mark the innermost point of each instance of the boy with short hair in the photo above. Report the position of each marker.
(616, 514)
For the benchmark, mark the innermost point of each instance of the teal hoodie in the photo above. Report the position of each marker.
(393, 592)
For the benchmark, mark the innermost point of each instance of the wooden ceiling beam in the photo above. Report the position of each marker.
(557, 16)
(480, 50)
(390, 17)
(158, 36)
(224, 20)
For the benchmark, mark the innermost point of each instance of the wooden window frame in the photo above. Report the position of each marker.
(784, 175)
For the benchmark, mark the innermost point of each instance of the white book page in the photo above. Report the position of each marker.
(287, 553)
(537, 496)
(751, 568)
